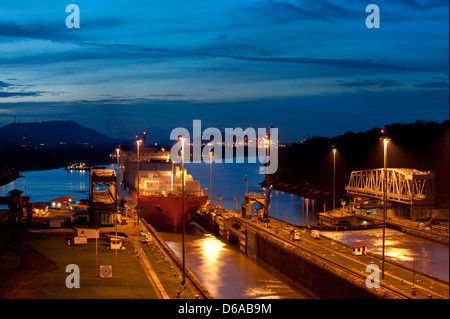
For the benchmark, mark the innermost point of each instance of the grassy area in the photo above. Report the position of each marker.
(8, 260)
(128, 281)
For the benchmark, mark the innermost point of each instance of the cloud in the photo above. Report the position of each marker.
(341, 63)
(424, 5)
(4, 84)
(433, 85)
(383, 83)
(19, 94)
(7, 91)
(57, 31)
(284, 12)
(27, 30)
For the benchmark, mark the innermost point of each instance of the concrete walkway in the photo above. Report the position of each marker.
(163, 281)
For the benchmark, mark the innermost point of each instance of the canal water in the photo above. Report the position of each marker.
(224, 271)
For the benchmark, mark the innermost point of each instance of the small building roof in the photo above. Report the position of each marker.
(63, 199)
(15, 191)
(86, 227)
(359, 245)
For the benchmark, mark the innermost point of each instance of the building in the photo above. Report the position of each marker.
(359, 249)
(56, 223)
(102, 197)
(64, 202)
(19, 207)
(39, 209)
(89, 231)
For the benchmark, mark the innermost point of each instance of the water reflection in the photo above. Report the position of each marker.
(224, 271)
(433, 258)
(211, 248)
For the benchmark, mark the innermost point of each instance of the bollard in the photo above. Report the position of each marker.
(413, 291)
(178, 293)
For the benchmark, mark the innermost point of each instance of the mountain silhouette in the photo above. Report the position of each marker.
(51, 133)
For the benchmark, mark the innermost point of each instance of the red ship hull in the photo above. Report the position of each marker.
(166, 211)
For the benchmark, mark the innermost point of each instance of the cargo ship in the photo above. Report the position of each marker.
(158, 182)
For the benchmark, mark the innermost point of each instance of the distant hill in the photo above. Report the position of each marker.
(52, 133)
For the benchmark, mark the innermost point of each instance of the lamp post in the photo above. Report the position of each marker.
(385, 143)
(267, 144)
(118, 175)
(117, 197)
(219, 198)
(211, 153)
(246, 184)
(334, 178)
(172, 177)
(182, 208)
(138, 142)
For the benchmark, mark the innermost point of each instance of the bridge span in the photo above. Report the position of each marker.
(404, 185)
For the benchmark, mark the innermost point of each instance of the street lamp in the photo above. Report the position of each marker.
(246, 184)
(138, 143)
(385, 144)
(334, 178)
(211, 153)
(182, 207)
(118, 175)
(267, 144)
(117, 196)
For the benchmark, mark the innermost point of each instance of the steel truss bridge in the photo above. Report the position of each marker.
(404, 185)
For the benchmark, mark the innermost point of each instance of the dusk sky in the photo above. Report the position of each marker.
(310, 68)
